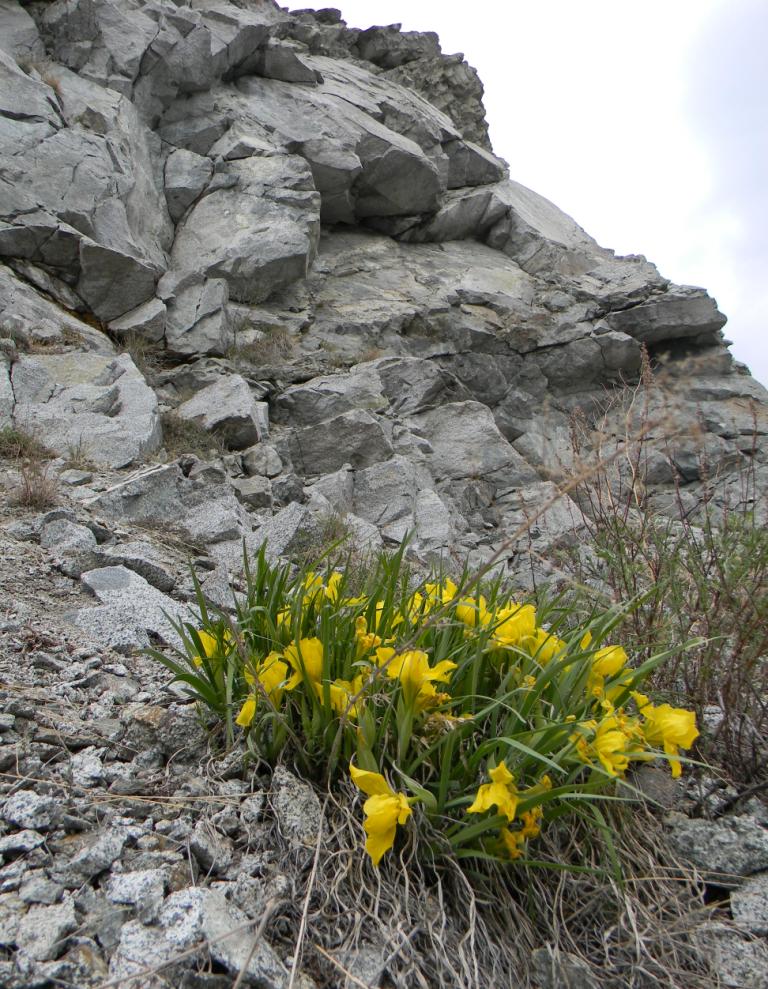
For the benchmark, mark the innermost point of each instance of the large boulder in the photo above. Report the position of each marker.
(130, 610)
(97, 406)
(152, 53)
(328, 396)
(85, 197)
(197, 319)
(259, 232)
(228, 409)
(354, 437)
(19, 36)
(466, 443)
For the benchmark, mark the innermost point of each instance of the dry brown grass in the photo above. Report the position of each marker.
(439, 924)
(20, 444)
(184, 436)
(36, 488)
(698, 575)
(146, 355)
(276, 345)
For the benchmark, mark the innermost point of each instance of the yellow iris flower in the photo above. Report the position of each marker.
(673, 728)
(384, 810)
(332, 588)
(413, 671)
(500, 793)
(611, 745)
(473, 611)
(306, 661)
(606, 663)
(271, 673)
(341, 692)
(441, 593)
(543, 646)
(212, 645)
(365, 640)
(514, 623)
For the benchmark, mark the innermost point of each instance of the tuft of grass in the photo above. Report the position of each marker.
(19, 444)
(276, 345)
(36, 489)
(696, 573)
(146, 355)
(77, 457)
(29, 343)
(184, 436)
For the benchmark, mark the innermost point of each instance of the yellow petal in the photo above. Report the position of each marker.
(441, 673)
(609, 660)
(383, 656)
(247, 712)
(332, 589)
(306, 658)
(209, 643)
(495, 795)
(368, 782)
(377, 844)
(383, 813)
(501, 774)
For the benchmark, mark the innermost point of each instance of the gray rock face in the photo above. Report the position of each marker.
(87, 201)
(738, 963)
(143, 558)
(186, 177)
(296, 806)
(7, 398)
(228, 409)
(99, 406)
(684, 312)
(354, 437)
(204, 915)
(197, 320)
(27, 809)
(332, 395)
(19, 36)
(43, 930)
(146, 320)
(291, 530)
(262, 459)
(130, 609)
(140, 947)
(749, 905)
(258, 230)
(33, 319)
(725, 851)
(143, 889)
(467, 443)
(73, 546)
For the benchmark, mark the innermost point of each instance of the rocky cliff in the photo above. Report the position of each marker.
(262, 278)
(307, 226)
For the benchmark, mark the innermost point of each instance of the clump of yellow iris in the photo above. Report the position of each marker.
(372, 660)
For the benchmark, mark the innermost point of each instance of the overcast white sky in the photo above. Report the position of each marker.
(645, 121)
